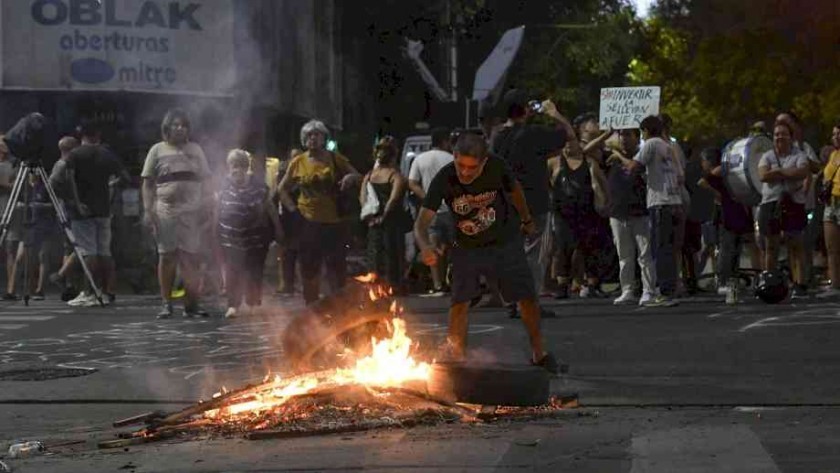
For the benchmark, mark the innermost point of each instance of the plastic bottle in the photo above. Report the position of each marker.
(26, 449)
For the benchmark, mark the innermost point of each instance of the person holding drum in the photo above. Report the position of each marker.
(783, 171)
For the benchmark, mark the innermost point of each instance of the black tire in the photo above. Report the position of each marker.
(349, 318)
(490, 384)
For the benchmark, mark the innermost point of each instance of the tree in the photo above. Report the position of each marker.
(724, 63)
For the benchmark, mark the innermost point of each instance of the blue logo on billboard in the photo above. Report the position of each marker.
(91, 71)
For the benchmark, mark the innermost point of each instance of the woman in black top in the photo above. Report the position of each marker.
(388, 226)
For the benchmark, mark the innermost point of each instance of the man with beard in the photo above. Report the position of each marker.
(490, 214)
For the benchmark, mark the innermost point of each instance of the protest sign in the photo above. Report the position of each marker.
(626, 107)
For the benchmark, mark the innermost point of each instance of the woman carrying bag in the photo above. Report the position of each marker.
(387, 220)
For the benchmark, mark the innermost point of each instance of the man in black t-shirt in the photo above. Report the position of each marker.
(86, 175)
(490, 214)
(526, 147)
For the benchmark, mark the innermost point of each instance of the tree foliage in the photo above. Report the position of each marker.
(571, 49)
(725, 63)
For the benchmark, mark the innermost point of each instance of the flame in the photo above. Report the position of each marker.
(366, 278)
(389, 364)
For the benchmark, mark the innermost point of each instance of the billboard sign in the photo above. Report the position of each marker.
(625, 107)
(133, 45)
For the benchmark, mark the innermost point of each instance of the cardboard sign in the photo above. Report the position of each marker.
(625, 107)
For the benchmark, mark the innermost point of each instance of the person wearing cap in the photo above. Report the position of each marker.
(491, 213)
(526, 148)
(323, 178)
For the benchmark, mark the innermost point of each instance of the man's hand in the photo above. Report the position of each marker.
(549, 108)
(84, 210)
(529, 228)
(430, 256)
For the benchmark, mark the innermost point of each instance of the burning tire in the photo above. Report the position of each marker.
(347, 319)
(489, 384)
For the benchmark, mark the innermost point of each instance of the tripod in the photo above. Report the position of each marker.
(20, 185)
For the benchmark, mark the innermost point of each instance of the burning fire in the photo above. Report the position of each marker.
(390, 364)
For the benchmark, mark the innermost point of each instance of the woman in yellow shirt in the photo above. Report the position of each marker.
(324, 178)
(831, 218)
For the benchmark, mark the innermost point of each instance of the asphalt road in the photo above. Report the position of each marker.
(699, 387)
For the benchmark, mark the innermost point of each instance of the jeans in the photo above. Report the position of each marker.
(731, 245)
(632, 242)
(668, 230)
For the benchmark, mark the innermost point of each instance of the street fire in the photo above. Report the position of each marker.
(382, 384)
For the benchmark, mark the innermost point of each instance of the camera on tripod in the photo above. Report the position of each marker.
(31, 140)
(27, 139)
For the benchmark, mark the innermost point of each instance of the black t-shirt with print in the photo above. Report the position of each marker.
(484, 216)
(93, 166)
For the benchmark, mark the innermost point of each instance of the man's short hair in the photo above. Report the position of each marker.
(471, 144)
(515, 102)
(89, 128)
(712, 155)
(440, 135)
(629, 131)
(667, 121)
(652, 125)
(67, 144)
(584, 118)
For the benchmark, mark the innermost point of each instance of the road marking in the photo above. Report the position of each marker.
(727, 449)
(25, 318)
(12, 326)
(36, 311)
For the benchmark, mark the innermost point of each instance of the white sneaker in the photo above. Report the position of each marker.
(231, 313)
(626, 297)
(723, 290)
(82, 299)
(646, 297)
(584, 292)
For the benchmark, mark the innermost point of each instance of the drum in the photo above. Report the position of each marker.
(740, 168)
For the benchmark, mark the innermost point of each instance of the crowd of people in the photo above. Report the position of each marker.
(586, 207)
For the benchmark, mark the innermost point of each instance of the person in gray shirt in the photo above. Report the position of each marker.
(665, 179)
(783, 171)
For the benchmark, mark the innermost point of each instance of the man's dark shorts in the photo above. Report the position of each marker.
(505, 263)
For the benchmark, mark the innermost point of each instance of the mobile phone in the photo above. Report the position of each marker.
(536, 106)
